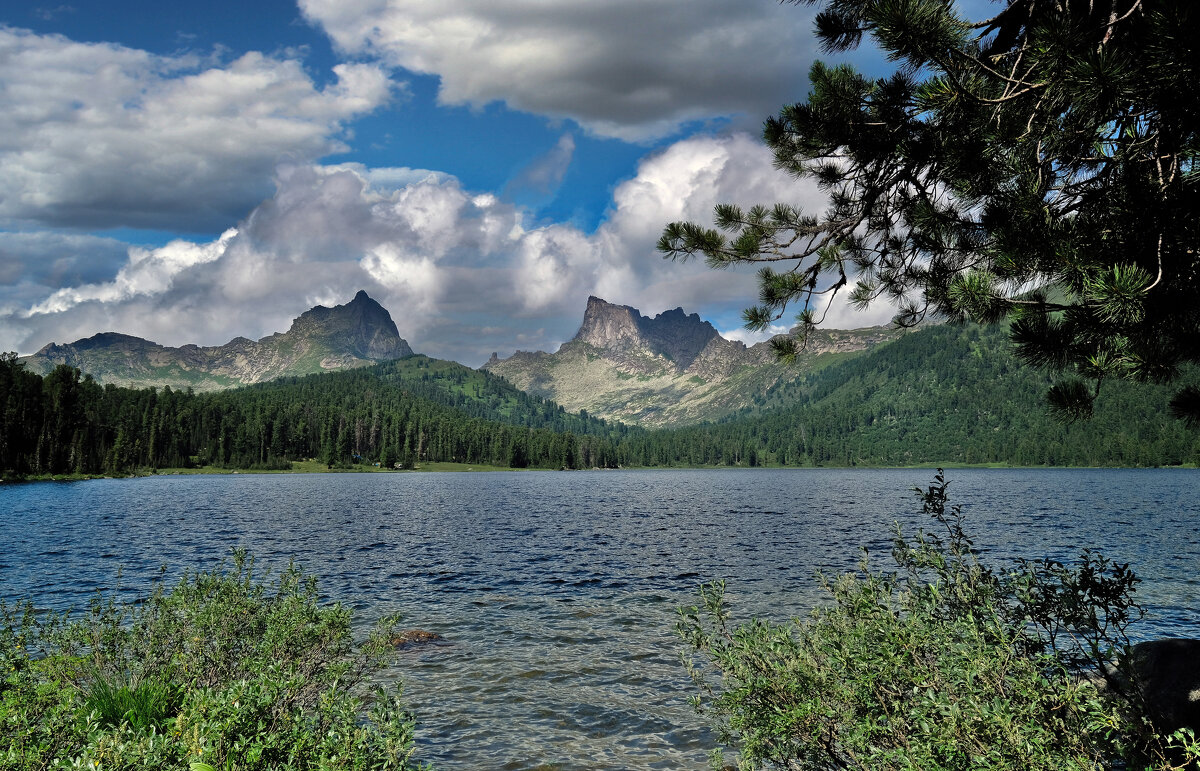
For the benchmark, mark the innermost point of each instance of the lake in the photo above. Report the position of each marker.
(556, 591)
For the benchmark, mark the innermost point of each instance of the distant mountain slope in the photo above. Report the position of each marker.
(944, 394)
(940, 395)
(670, 370)
(358, 333)
(473, 393)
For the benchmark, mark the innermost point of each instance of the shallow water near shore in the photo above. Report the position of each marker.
(555, 593)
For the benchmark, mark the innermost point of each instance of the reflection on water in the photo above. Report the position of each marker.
(556, 591)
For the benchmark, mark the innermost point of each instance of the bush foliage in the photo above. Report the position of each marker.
(223, 670)
(943, 663)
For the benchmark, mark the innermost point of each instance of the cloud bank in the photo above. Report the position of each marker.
(630, 69)
(463, 273)
(100, 135)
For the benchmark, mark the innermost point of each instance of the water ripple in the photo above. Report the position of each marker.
(556, 592)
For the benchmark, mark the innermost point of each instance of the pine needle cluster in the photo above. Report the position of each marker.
(1038, 166)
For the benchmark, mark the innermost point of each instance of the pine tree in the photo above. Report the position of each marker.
(1040, 165)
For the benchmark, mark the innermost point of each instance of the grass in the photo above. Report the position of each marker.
(149, 703)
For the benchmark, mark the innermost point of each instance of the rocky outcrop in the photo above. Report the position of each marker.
(609, 326)
(362, 327)
(358, 333)
(672, 341)
(674, 368)
(1168, 674)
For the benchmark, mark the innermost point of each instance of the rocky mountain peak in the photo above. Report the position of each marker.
(674, 368)
(608, 326)
(678, 336)
(103, 340)
(362, 325)
(320, 339)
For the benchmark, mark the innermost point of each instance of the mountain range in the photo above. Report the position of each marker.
(942, 394)
(322, 339)
(673, 369)
(670, 370)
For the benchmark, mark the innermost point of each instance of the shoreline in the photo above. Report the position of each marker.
(317, 467)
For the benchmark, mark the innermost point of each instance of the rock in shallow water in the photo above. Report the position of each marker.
(413, 637)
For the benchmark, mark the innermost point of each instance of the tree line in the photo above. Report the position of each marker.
(944, 394)
(67, 423)
(947, 394)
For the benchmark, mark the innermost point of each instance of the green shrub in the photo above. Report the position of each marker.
(943, 663)
(222, 669)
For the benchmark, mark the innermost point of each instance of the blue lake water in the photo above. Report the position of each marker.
(556, 591)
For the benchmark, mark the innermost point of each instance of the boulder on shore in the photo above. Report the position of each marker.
(1168, 673)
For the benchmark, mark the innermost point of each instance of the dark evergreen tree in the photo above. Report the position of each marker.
(946, 394)
(1039, 165)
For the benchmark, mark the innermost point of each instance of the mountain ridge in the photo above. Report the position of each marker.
(321, 339)
(672, 369)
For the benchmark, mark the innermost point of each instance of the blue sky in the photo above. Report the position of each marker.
(192, 172)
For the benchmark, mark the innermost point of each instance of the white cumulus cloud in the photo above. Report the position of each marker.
(148, 272)
(632, 69)
(101, 135)
(463, 273)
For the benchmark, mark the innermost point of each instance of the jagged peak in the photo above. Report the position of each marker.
(100, 337)
(605, 323)
(363, 306)
(674, 334)
(100, 340)
(363, 322)
(361, 301)
(597, 306)
(679, 315)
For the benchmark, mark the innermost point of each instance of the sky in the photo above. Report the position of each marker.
(190, 172)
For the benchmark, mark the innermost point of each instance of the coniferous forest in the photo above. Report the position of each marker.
(942, 395)
(66, 423)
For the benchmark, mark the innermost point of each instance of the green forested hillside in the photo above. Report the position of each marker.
(941, 395)
(945, 394)
(478, 394)
(417, 409)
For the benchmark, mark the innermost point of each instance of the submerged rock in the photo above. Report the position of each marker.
(413, 637)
